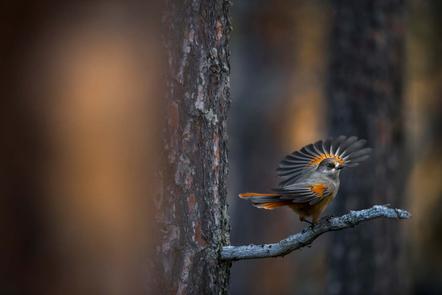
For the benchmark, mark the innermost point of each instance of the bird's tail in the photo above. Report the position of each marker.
(265, 201)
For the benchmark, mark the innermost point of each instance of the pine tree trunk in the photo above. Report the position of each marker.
(192, 208)
(365, 99)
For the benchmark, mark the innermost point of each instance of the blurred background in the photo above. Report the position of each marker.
(79, 86)
(80, 89)
(306, 70)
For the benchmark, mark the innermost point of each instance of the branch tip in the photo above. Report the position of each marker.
(309, 234)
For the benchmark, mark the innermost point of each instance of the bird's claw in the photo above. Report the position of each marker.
(307, 221)
(326, 218)
(311, 224)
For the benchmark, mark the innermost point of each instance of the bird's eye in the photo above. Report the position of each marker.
(330, 165)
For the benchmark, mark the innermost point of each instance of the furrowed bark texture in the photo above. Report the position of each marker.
(365, 99)
(192, 205)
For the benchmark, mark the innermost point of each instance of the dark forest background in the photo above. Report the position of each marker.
(322, 68)
(82, 87)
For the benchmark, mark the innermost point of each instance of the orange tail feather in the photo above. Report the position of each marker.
(272, 205)
(247, 195)
(265, 201)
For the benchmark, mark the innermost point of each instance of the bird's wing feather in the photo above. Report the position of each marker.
(306, 192)
(348, 151)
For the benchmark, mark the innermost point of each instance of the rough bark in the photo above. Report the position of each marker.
(308, 235)
(192, 208)
(365, 99)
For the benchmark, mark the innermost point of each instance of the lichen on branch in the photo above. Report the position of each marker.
(309, 234)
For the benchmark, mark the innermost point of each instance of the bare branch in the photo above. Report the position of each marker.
(308, 235)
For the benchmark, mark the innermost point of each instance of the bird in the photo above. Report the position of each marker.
(310, 177)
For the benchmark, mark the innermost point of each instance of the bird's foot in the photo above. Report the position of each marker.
(326, 218)
(310, 223)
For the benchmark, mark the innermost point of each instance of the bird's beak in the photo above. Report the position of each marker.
(339, 167)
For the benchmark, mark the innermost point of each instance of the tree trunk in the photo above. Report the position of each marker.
(365, 99)
(192, 208)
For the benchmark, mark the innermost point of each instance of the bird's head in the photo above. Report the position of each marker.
(330, 166)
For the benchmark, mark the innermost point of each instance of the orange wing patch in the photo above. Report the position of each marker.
(318, 159)
(318, 189)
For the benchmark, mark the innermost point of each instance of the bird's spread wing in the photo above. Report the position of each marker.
(348, 151)
(301, 193)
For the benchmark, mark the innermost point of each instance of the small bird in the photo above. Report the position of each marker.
(310, 176)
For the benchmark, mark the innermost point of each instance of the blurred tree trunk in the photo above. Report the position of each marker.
(425, 135)
(260, 43)
(192, 207)
(365, 99)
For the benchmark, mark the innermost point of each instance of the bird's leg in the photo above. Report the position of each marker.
(303, 219)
